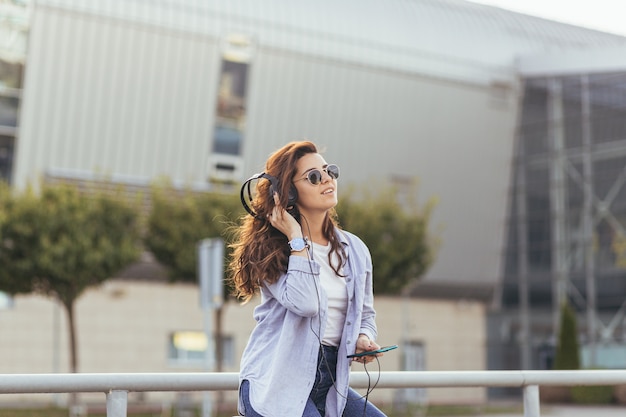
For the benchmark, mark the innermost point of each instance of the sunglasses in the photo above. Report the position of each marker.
(314, 176)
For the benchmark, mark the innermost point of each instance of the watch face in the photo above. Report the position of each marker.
(297, 244)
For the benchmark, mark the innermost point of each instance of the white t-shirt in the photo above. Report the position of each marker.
(335, 287)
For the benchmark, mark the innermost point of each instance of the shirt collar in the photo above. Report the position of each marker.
(342, 237)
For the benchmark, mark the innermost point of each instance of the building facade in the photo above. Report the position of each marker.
(568, 208)
(512, 123)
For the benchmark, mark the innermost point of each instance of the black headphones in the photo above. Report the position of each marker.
(274, 187)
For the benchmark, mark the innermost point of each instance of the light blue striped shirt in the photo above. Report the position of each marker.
(280, 360)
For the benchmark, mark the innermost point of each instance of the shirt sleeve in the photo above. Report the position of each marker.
(368, 317)
(298, 290)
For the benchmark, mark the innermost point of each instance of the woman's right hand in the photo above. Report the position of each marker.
(283, 221)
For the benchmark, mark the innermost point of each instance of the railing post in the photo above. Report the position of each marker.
(531, 401)
(117, 403)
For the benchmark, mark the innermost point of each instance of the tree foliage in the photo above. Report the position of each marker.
(4, 198)
(180, 219)
(567, 351)
(59, 242)
(397, 234)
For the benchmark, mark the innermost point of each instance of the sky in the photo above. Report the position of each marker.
(604, 15)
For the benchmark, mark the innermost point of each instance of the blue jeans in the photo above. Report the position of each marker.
(325, 377)
(356, 405)
(309, 410)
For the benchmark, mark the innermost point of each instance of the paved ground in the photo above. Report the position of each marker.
(573, 411)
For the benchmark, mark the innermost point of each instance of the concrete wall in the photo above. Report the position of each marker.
(124, 326)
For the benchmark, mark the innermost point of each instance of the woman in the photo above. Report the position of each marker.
(315, 282)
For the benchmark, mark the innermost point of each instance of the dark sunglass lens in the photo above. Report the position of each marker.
(333, 171)
(315, 177)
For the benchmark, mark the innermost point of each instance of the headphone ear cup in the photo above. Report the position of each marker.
(293, 196)
(272, 190)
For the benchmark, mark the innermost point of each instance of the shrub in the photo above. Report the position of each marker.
(567, 352)
(598, 394)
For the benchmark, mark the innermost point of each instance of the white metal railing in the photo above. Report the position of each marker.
(117, 386)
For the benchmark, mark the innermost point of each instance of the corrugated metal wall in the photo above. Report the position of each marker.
(378, 125)
(134, 101)
(106, 96)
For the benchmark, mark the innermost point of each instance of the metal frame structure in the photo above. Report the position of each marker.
(117, 386)
(572, 239)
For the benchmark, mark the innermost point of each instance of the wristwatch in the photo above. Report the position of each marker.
(298, 244)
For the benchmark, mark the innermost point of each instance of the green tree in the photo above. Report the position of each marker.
(179, 220)
(567, 351)
(397, 234)
(4, 199)
(59, 242)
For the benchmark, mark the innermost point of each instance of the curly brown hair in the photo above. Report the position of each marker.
(260, 252)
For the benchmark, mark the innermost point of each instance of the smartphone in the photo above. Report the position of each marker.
(373, 352)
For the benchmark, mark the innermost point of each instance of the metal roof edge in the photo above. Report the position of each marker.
(579, 61)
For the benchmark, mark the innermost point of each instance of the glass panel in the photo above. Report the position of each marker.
(608, 107)
(6, 301)
(572, 109)
(227, 139)
(605, 176)
(231, 108)
(8, 111)
(534, 125)
(608, 356)
(188, 348)
(539, 225)
(13, 36)
(225, 162)
(6, 157)
(413, 359)
(512, 254)
(11, 74)
(607, 94)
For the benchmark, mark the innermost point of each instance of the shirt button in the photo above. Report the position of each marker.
(349, 323)
(348, 342)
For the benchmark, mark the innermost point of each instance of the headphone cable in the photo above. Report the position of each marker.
(370, 388)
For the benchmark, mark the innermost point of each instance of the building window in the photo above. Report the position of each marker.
(6, 157)
(9, 103)
(6, 301)
(13, 37)
(413, 359)
(230, 119)
(225, 161)
(189, 348)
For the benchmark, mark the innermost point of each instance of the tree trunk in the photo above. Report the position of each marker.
(219, 352)
(69, 308)
(71, 326)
